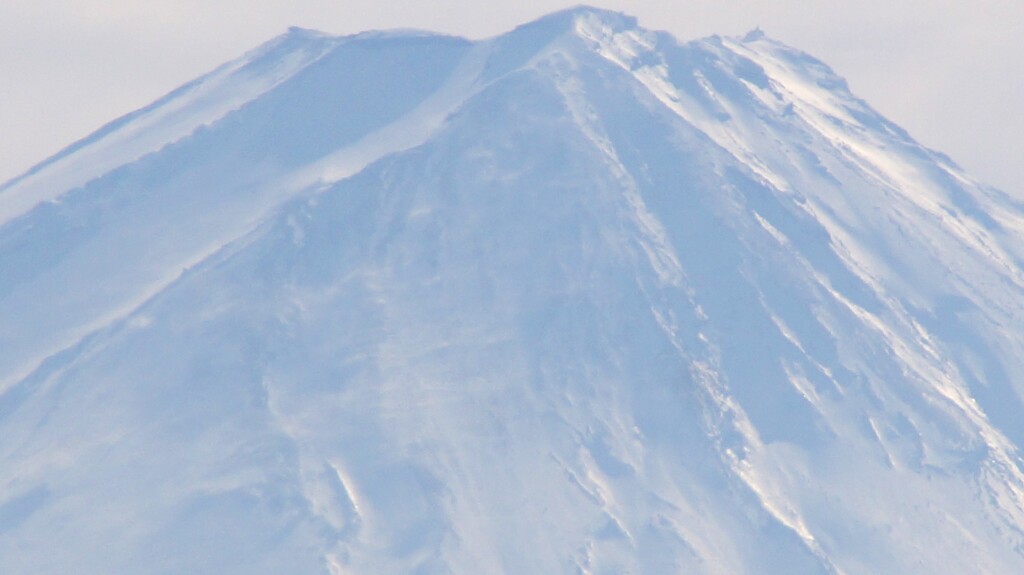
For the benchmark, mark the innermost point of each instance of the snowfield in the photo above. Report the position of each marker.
(577, 299)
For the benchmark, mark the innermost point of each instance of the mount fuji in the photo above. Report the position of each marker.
(577, 299)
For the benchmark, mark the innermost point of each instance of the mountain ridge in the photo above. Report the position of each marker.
(579, 298)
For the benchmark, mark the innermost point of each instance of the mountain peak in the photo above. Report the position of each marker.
(569, 17)
(306, 33)
(753, 35)
(577, 299)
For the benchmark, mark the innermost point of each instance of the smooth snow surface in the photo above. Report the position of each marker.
(578, 299)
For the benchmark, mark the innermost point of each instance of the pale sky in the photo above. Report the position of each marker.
(949, 71)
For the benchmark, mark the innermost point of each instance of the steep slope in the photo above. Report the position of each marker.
(577, 299)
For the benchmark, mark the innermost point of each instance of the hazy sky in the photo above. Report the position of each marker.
(950, 71)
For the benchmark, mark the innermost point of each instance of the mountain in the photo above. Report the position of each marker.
(577, 299)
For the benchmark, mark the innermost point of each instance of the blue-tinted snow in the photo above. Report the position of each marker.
(577, 299)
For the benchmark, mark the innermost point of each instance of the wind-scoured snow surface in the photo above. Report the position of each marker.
(578, 299)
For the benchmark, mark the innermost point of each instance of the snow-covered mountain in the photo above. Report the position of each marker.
(577, 299)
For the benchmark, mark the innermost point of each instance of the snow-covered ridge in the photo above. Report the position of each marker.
(170, 119)
(177, 118)
(580, 298)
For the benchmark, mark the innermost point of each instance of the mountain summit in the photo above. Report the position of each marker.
(577, 299)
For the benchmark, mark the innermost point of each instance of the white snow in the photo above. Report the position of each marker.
(576, 299)
(196, 105)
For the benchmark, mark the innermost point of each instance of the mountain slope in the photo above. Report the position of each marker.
(576, 299)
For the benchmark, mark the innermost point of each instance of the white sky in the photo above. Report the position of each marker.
(949, 71)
